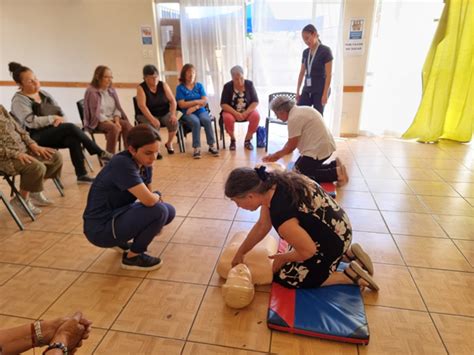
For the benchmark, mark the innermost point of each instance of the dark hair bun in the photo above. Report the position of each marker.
(14, 66)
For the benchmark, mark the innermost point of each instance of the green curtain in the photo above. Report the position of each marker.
(446, 110)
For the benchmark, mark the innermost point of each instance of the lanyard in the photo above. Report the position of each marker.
(310, 60)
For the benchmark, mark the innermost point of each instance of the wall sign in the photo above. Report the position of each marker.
(354, 44)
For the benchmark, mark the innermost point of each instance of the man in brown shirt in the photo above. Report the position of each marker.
(20, 155)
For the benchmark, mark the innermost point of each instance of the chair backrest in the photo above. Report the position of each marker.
(80, 108)
(136, 108)
(271, 97)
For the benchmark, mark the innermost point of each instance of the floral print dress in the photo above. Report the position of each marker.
(328, 226)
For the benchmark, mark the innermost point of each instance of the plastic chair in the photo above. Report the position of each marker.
(271, 118)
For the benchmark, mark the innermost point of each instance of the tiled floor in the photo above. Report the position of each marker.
(411, 206)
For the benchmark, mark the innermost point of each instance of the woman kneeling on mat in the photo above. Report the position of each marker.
(112, 217)
(316, 228)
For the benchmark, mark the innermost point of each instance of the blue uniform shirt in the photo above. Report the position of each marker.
(109, 195)
(183, 93)
(317, 72)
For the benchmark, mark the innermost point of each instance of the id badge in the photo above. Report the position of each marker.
(308, 82)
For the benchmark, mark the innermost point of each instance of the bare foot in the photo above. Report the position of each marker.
(342, 178)
(338, 162)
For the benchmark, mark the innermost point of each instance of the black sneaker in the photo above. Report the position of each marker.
(197, 153)
(214, 151)
(105, 156)
(123, 247)
(159, 156)
(85, 179)
(142, 262)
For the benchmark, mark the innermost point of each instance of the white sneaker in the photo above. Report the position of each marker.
(39, 199)
(15, 202)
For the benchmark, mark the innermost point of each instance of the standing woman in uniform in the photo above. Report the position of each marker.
(315, 72)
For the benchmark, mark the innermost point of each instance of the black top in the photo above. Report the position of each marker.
(109, 195)
(157, 103)
(229, 96)
(317, 72)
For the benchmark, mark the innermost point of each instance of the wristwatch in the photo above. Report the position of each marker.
(57, 346)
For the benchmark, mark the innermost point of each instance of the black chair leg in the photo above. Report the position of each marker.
(215, 132)
(16, 193)
(182, 146)
(11, 211)
(59, 186)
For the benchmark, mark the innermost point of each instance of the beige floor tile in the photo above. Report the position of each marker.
(60, 220)
(356, 199)
(214, 190)
(188, 188)
(436, 253)
(6, 232)
(110, 260)
(205, 349)
(380, 172)
(161, 308)
(247, 216)
(456, 206)
(238, 226)
(7, 271)
(91, 343)
(399, 202)
(355, 184)
(216, 280)
(214, 208)
(471, 201)
(126, 343)
(432, 188)
(30, 292)
(457, 227)
(201, 231)
(198, 174)
(182, 204)
(291, 344)
(187, 263)
(100, 297)
(446, 291)
(467, 249)
(457, 333)
(24, 247)
(397, 289)
(456, 175)
(415, 224)
(397, 331)
(380, 247)
(420, 174)
(169, 230)
(218, 324)
(464, 189)
(366, 220)
(72, 252)
(391, 186)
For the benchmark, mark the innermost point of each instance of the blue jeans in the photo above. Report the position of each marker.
(138, 222)
(194, 122)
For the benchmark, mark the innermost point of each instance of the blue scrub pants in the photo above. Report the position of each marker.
(138, 222)
(312, 99)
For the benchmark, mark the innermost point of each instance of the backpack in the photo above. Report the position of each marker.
(261, 137)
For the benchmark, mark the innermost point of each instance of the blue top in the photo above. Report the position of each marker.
(183, 93)
(317, 72)
(109, 195)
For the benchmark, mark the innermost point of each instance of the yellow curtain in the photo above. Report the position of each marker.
(446, 110)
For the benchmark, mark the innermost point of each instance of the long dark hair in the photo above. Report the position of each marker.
(141, 135)
(16, 69)
(99, 73)
(184, 70)
(242, 181)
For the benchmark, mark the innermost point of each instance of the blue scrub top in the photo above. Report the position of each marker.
(183, 93)
(109, 195)
(317, 72)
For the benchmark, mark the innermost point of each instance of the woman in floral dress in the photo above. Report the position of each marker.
(316, 228)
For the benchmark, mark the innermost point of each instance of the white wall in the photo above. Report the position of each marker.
(64, 40)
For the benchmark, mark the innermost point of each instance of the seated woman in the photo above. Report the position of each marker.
(317, 229)
(102, 110)
(192, 101)
(157, 105)
(112, 217)
(20, 155)
(239, 102)
(39, 113)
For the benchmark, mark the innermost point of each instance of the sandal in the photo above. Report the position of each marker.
(232, 144)
(361, 257)
(360, 274)
(170, 150)
(248, 145)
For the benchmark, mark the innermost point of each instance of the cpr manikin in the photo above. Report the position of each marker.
(238, 290)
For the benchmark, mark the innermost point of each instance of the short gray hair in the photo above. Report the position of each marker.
(282, 103)
(237, 69)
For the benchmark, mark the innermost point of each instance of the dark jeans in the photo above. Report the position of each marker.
(139, 223)
(312, 99)
(316, 169)
(67, 135)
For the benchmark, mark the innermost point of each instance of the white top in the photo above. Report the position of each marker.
(107, 107)
(314, 140)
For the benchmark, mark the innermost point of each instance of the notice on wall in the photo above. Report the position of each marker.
(146, 35)
(354, 44)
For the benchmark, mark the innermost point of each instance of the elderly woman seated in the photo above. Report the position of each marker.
(20, 155)
(239, 102)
